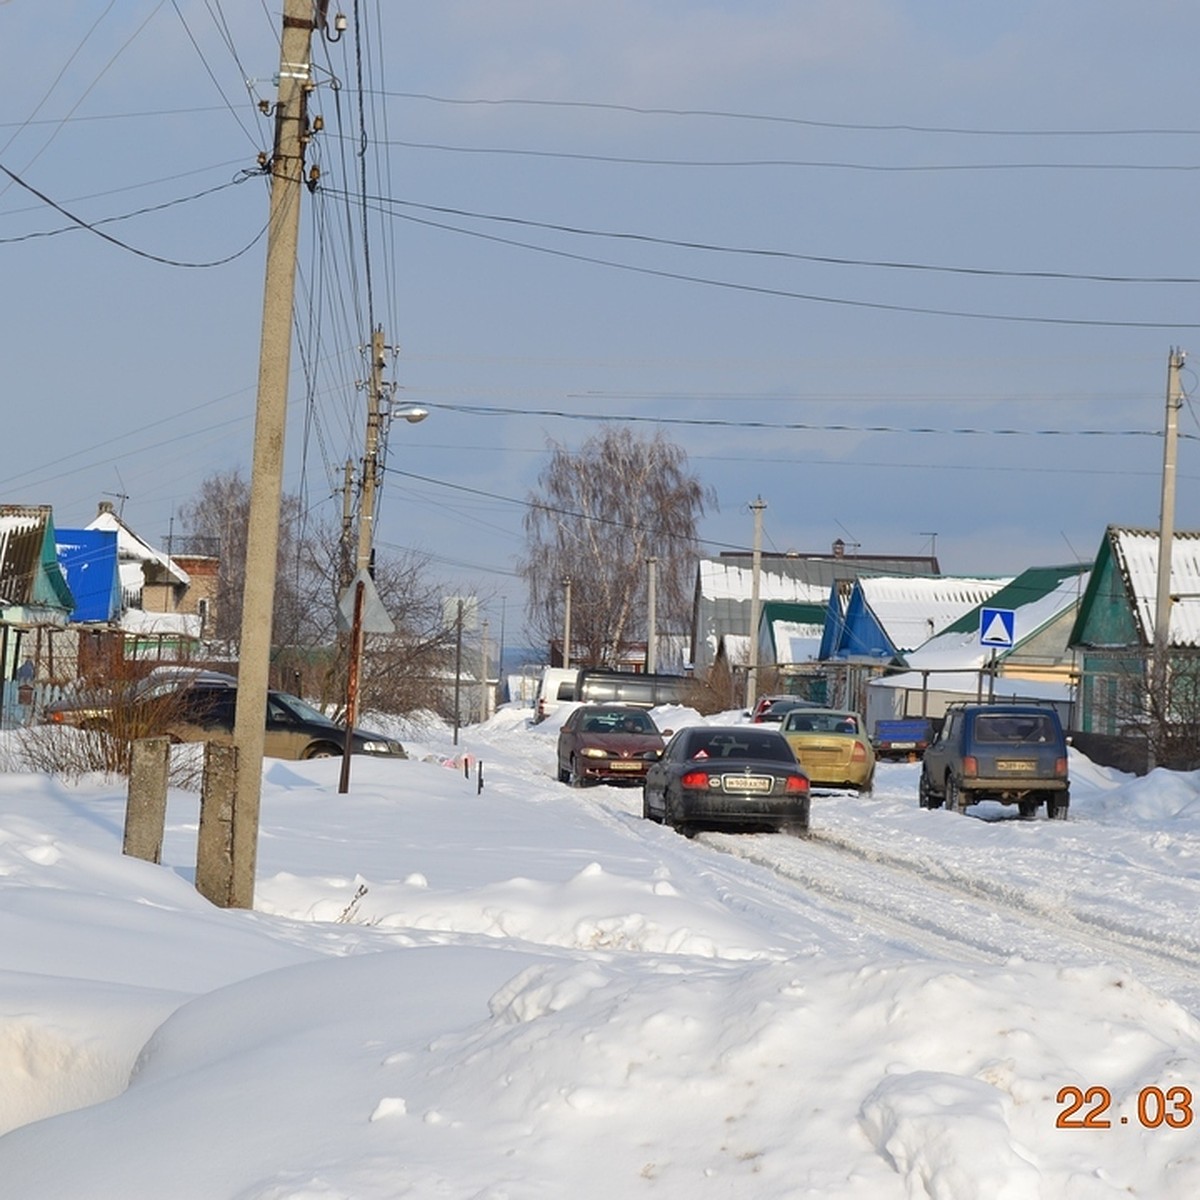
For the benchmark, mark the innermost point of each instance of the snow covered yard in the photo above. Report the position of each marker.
(530, 992)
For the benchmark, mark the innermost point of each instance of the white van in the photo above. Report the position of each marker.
(557, 687)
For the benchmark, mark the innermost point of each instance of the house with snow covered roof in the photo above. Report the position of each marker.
(34, 600)
(1114, 629)
(158, 618)
(885, 618)
(955, 665)
(722, 600)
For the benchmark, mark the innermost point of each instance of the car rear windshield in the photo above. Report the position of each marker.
(820, 722)
(764, 747)
(1015, 727)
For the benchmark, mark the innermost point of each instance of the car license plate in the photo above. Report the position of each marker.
(746, 783)
(1015, 764)
(625, 766)
(903, 745)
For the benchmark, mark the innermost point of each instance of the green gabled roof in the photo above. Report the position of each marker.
(1028, 587)
(801, 612)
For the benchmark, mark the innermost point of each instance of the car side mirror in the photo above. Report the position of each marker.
(667, 732)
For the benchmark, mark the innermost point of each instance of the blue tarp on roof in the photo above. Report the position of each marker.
(88, 558)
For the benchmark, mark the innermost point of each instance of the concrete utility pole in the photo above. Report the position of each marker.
(485, 709)
(651, 615)
(755, 571)
(345, 574)
(286, 166)
(370, 477)
(1166, 537)
(566, 654)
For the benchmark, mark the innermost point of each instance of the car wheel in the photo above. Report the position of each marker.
(673, 817)
(321, 750)
(925, 794)
(955, 800)
(1027, 809)
(563, 775)
(1056, 808)
(868, 788)
(647, 815)
(573, 776)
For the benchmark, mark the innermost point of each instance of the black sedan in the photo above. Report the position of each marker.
(727, 777)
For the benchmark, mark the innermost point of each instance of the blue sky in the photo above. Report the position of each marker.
(831, 249)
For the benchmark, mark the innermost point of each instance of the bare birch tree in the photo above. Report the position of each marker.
(599, 514)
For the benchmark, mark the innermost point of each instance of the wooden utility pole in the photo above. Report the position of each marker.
(755, 571)
(1160, 703)
(286, 167)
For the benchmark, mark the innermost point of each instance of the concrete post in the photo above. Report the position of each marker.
(146, 807)
(214, 847)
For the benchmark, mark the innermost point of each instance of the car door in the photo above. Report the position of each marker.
(659, 772)
(287, 736)
(940, 751)
(566, 741)
(205, 714)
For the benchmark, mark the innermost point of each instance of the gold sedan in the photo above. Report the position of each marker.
(832, 747)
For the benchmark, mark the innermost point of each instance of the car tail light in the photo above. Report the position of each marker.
(970, 766)
(1060, 768)
(859, 753)
(695, 779)
(56, 718)
(796, 783)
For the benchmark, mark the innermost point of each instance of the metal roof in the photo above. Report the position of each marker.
(1136, 552)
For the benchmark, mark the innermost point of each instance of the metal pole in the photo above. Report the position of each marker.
(286, 166)
(356, 636)
(755, 571)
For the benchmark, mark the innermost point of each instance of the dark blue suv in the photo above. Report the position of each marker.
(1013, 753)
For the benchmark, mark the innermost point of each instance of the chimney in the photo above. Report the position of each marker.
(839, 549)
(105, 507)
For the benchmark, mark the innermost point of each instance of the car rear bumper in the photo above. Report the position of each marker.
(615, 772)
(706, 808)
(1009, 790)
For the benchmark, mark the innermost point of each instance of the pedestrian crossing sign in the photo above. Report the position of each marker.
(996, 627)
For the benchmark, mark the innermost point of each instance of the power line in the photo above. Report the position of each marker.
(810, 297)
(807, 122)
(484, 410)
(815, 164)
(787, 255)
(92, 227)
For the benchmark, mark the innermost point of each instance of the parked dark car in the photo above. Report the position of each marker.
(607, 743)
(728, 777)
(1013, 753)
(770, 710)
(198, 706)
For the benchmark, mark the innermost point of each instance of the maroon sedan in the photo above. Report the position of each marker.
(607, 743)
